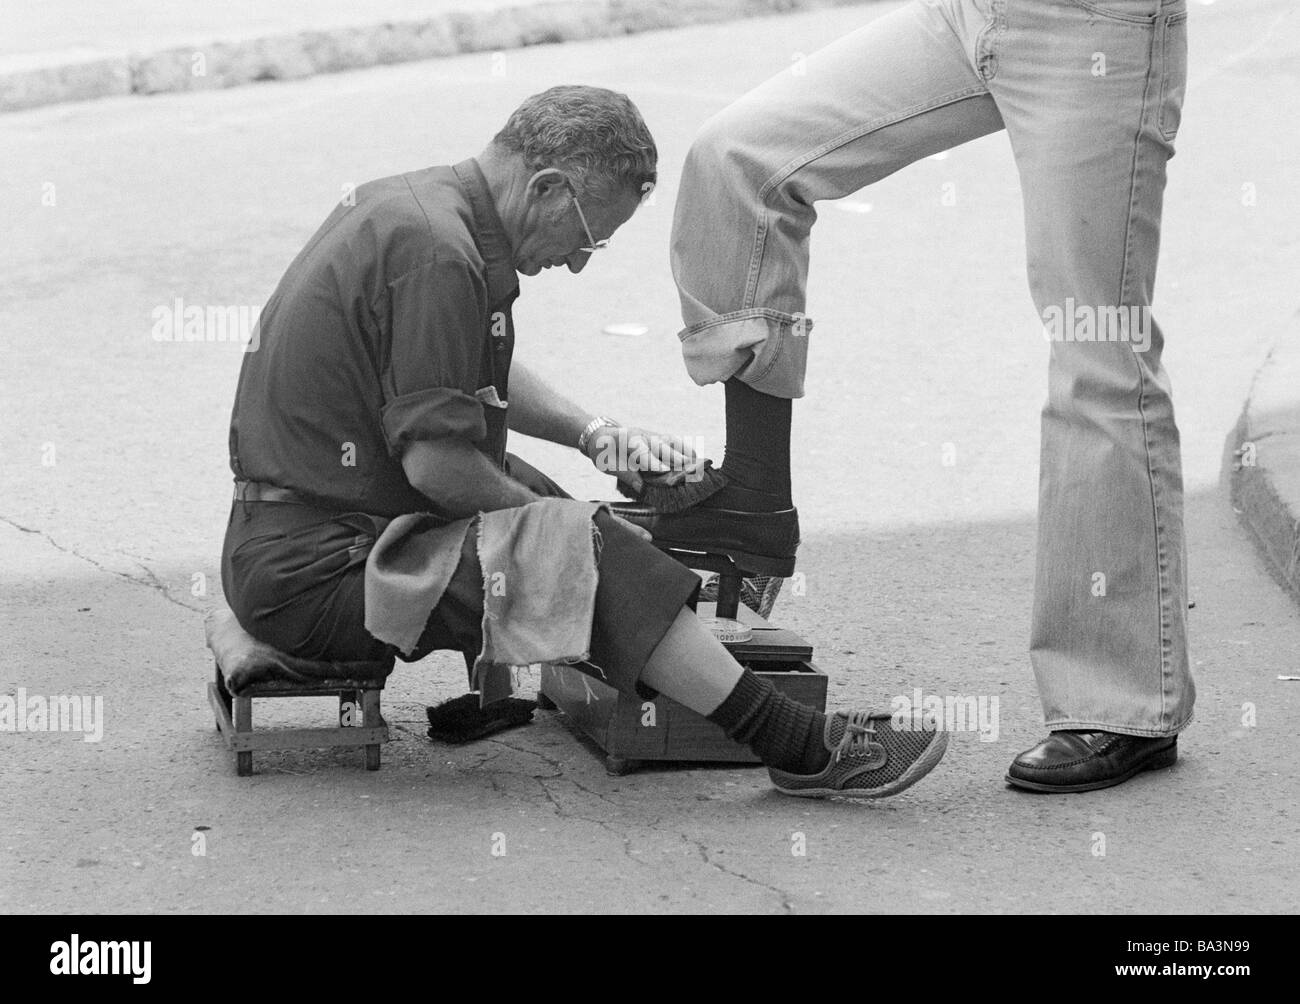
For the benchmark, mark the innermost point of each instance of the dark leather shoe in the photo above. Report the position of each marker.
(760, 543)
(1085, 761)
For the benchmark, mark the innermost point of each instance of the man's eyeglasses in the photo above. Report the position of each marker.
(593, 245)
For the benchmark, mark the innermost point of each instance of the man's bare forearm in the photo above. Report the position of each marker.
(538, 410)
(460, 480)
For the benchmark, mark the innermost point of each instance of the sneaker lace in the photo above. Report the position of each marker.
(858, 732)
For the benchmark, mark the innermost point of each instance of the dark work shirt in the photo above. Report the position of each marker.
(391, 326)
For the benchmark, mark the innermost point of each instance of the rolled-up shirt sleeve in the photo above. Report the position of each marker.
(436, 315)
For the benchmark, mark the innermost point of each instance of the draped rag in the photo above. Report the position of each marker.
(539, 566)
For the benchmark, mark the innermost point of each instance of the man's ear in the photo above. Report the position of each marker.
(546, 185)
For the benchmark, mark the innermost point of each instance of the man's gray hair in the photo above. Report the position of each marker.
(595, 136)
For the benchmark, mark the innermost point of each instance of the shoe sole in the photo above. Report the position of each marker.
(923, 764)
(1159, 761)
(750, 564)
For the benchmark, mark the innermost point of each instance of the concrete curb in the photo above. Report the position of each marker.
(1262, 461)
(50, 78)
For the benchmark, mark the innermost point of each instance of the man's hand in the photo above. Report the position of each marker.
(630, 453)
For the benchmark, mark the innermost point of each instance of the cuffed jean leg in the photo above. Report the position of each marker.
(1091, 95)
(900, 88)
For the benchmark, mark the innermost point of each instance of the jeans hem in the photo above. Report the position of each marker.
(765, 348)
(1062, 725)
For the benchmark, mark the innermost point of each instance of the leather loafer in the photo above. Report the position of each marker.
(760, 543)
(1085, 761)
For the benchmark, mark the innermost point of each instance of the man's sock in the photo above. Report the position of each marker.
(757, 458)
(782, 732)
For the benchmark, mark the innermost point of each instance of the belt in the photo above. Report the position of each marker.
(259, 491)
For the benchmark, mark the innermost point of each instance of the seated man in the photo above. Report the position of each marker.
(380, 390)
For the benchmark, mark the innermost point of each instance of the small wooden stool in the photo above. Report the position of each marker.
(246, 668)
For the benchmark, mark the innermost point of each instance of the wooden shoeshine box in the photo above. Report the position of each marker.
(630, 730)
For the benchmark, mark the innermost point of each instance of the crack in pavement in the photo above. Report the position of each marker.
(556, 765)
(786, 905)
(653, 824)
(486, 758)
(595, 794)
(151, 582)
(563, 813)
(560, 811)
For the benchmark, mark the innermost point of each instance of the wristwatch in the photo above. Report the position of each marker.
(597, 423)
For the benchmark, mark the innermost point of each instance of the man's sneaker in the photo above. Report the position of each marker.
(869, 758)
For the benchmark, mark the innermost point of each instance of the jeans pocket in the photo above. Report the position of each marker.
(1127, 11)
(1173, 75)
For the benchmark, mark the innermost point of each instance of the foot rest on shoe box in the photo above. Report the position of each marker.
(246, 668)
(729, 575)
(629, 730)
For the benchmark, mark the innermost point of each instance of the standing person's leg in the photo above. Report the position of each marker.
(1091, 95)
(901, 88)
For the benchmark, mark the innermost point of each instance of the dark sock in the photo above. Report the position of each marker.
(782, 732)
(757, 458)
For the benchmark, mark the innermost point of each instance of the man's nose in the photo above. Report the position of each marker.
(577, 261)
